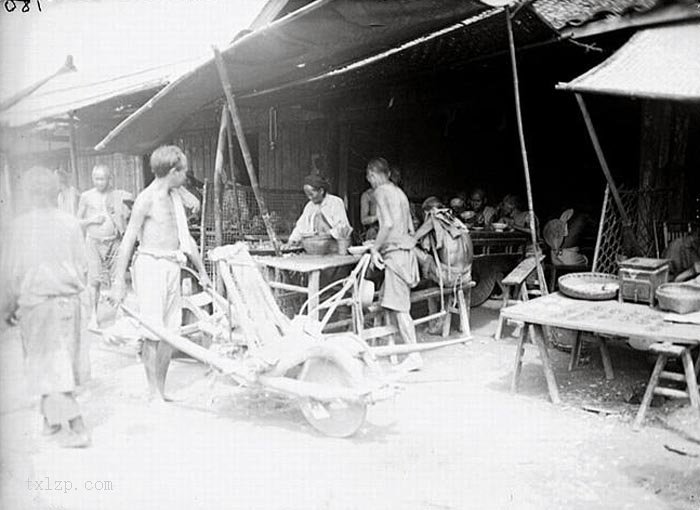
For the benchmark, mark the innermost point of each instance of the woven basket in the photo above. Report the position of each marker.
(593, 286)
(319, 245)
(343, 245)
(678, 297)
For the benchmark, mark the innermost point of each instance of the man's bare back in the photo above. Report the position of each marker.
(158, 228)
(393, 210)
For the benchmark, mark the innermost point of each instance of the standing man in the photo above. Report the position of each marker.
(368, 215)
(103, 214)
(43, 274)
(393, 251)
(68, 196)
(159, 222)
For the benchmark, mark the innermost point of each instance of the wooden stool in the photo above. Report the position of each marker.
(459, 305)
(516, 280)
(664, 351)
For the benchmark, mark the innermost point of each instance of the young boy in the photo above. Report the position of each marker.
(43, 274)
(159, 223)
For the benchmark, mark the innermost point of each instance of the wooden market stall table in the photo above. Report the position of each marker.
(606, 318)
(310, 265)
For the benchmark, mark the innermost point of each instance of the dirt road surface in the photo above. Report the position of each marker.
(456, 438)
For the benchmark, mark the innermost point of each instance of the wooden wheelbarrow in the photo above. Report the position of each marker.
(334, 379)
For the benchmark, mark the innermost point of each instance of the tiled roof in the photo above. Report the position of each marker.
(563, 13)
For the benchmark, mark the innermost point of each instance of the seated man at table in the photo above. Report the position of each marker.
(684, 256)
(324, 214)
(458, 204)
(446, 237)
(482, 215)
(512, 214)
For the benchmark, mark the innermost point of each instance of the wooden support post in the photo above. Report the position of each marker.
(218, 168)
(233, 110)
(691, 380)
(628, 237)
(202, 220)
(236, 205)
(605, 357)
(74, 152)
(601, 157)
(314, 287)
(537, 335)
(575, 351)
(523, 150)
(519, 352)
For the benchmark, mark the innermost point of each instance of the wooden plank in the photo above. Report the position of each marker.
(672, 376)
(289, 287)
(306, 263)
(670, 392)
(521, 272)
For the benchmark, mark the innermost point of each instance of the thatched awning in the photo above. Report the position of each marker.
(656, 63)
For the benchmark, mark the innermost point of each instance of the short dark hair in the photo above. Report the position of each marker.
(165, 158)
(431, 202)
(41, 184)
(379, 165)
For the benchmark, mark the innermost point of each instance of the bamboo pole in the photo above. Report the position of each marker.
(601, 224)
(523, 149)
(236, 205)
(73, 148)
(67, 67)
(630, 245)
(218, 168)
(601, 159)
(203, 219)
(233, 110)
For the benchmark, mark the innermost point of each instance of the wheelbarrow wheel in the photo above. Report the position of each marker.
(485, 280)
(335, 419)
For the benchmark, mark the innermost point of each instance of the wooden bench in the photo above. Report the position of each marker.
(516, 280)
(458, 303)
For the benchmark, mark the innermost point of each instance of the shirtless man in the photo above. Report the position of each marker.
(393, 252)
(159, 222)
(103, 216)
(368, 215)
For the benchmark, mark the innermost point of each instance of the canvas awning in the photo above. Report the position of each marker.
(656, 63)
(311, 41)
(71, 92)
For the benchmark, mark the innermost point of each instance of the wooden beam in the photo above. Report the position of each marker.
(233, 110)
